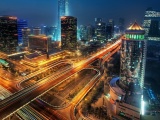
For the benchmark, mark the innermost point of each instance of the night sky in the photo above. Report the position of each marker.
(44, 12)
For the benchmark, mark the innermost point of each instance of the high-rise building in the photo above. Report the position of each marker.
(83, 33)
(36, 31)
(86, 33)
(62, 11)
(21, 24)
(68, 33)
(100, 30)
(90, 32)
(121, 25)
(25, 33)
(133, 56)
(126, 91)
(8, 34)
(110, 29)
(151, 24)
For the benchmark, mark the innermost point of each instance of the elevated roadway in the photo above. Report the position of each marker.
(13, 103)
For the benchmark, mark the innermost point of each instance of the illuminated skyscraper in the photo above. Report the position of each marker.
(133, 56)
(69, 33)
(8, 34)
(62, 11)
(126, 91)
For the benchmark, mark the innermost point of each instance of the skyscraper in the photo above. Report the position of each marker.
(8, 34)
(62, 11)
(110, 29)
(83, 32)
(126, 91)
(100, 30)
(68, 33)
(21, 24)
(25, 33)
(133, 56)
(151, 24)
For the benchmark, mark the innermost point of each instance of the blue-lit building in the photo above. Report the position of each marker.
(62, 11)
(20, 25)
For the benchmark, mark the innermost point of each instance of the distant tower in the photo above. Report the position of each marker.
(110, 29)
(121, 24)
(62, 11)
(69, 33)
(25, 33)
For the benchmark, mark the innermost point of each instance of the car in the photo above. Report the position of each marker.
(23, 74)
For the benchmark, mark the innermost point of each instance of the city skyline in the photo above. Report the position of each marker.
(79, 59)
(45, 13)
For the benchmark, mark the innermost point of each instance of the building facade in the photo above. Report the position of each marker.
(68, 33)
(8, 34)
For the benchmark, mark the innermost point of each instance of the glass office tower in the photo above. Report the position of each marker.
(68, 33)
